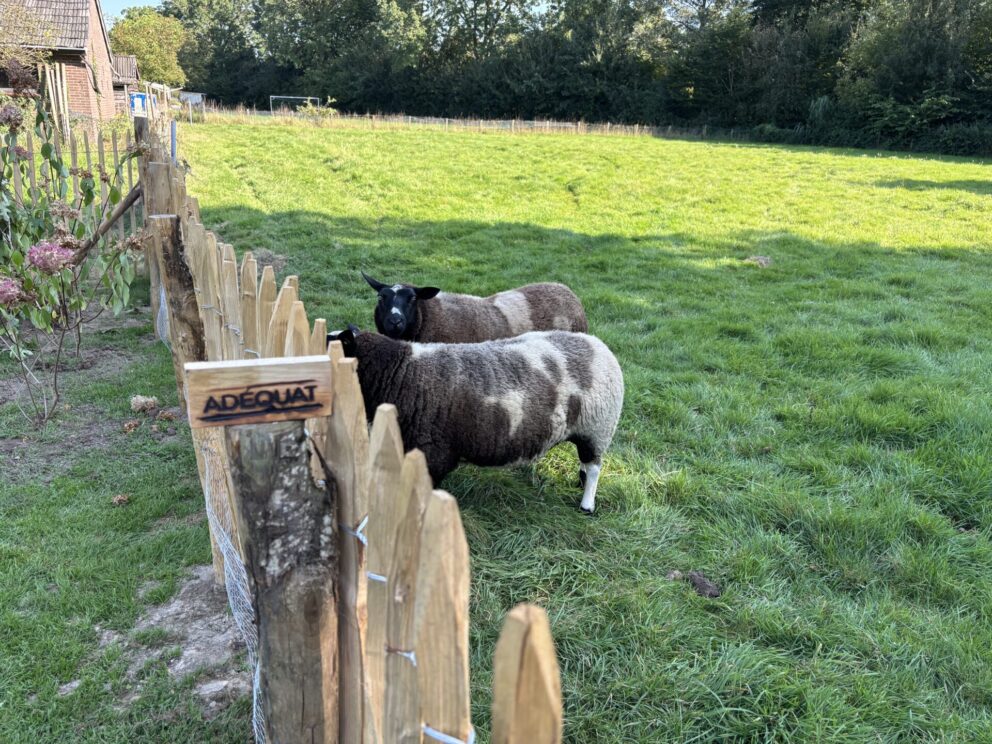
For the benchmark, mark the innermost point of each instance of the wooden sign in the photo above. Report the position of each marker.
(258, 391)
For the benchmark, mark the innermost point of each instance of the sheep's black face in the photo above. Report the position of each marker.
(396, 311)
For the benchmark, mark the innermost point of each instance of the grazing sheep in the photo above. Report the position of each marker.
(495, 402)
(428, 315)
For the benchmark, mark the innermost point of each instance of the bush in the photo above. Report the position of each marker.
(54, 276)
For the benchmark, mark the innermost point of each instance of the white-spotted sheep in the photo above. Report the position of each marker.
(495, 402)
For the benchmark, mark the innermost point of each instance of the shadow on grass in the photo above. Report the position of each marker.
(702, 335)
(982, 188)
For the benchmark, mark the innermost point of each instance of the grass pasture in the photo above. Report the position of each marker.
(814, 436)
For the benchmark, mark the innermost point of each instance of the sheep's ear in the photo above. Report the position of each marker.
(373, 283)
(427, 293)
(355, 330)
(347, 339)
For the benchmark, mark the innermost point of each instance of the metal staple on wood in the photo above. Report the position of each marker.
(445, 739)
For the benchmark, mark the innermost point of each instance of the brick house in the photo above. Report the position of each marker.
(76, 36)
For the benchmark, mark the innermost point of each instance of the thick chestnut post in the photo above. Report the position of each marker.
(289, 525)
(174, 270)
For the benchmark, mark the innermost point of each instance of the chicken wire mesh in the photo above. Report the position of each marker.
(239, 594)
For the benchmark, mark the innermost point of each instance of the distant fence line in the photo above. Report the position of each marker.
(242, 114)
(99, 157)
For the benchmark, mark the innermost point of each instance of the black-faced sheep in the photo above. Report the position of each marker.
(496, 402)
(428, 315)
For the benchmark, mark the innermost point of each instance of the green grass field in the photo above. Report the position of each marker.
(814, 436)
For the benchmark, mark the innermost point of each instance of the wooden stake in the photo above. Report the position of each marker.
(297, 332)
(265, 306)
(318, 339)
(230, 304)
(275, 337)
(249, 309)
(32, 176)
(199, 247)
(187, 343)
(157, 195)
(442, 620)
(291, 526)
(104, 190)
(526, 684)
(185, 325)
(130, 179)
(75, 172)
(347, 454)
(120, 185)
(402, 723)
(388, 501)
(213, 293)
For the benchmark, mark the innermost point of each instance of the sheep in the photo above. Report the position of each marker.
(495, 402)
(428, 315)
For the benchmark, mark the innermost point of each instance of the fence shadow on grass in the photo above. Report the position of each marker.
(982, 188)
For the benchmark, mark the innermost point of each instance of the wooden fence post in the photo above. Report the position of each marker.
(401, 704)
(157, 195)
(249, 307)
(291, 526)
(169, 256)
(526, 684)
(275, 336)
(442, 620)
(347, 454)
(185, 325)
(388, 503)
(264, 308)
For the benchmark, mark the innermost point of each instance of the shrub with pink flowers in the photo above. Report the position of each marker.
(56, 275)
(49, 257)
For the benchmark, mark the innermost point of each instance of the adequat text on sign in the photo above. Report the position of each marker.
(258, 391)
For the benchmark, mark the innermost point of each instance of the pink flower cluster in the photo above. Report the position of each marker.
(10, 292)
(49, 258)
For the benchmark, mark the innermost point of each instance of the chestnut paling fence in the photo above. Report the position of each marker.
(351, 586)
(99, 158)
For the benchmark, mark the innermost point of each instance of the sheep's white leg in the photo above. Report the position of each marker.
(589, 494)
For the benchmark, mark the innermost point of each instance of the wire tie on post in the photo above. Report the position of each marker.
(358, 532)
(376, 577)
(252, 351)
(445, 739)
(410, 656)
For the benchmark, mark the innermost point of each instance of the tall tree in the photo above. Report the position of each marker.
(155, 40)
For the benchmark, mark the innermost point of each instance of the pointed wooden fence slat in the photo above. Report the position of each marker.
(347, 454)
(264, 308)
(275, 337)
(526, 683)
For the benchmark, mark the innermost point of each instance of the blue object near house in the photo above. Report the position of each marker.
(139, 104)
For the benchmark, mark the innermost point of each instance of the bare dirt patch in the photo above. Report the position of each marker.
(82, 429)
(264, 257)
(197, 622)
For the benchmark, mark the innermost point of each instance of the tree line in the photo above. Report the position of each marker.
(910, 74)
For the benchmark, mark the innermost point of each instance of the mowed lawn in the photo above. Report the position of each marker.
(814, 436)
